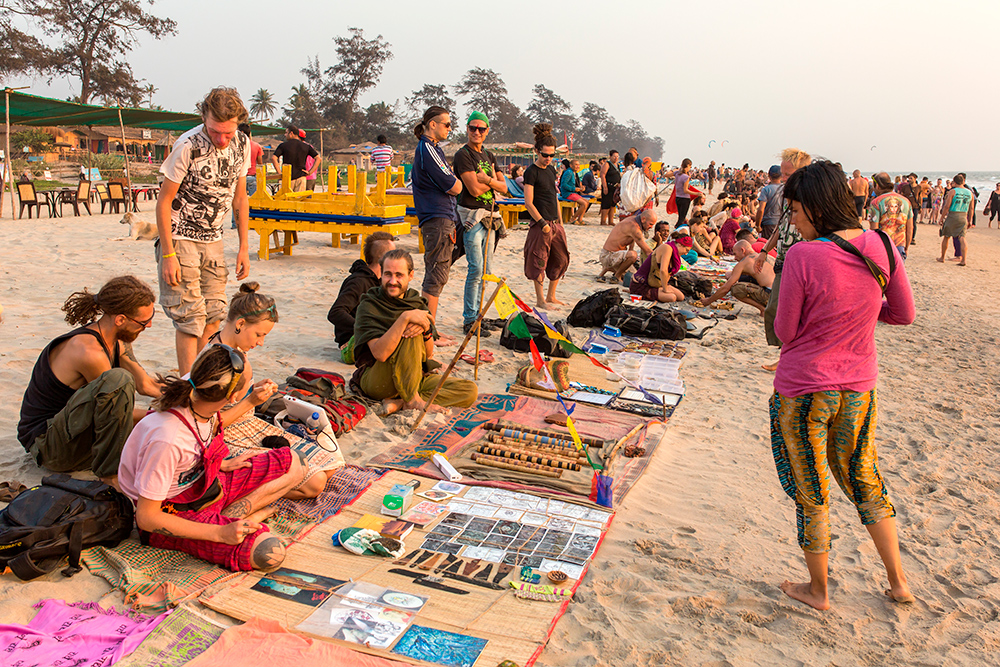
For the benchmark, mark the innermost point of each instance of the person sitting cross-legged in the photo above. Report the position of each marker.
(393, 334)
(188, 496)
(756, 293)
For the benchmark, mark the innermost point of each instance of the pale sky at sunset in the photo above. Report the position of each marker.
(912, 78)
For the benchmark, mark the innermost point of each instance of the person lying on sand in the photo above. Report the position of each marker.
(393, 333)
(756, 293)
(617, 255)
(188, 496)
(79, 406)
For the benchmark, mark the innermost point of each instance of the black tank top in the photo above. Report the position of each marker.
(613, 176)
(46, 395)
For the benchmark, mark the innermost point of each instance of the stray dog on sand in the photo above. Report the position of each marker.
(139, 230)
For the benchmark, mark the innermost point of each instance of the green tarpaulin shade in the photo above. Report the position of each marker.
(38, 111)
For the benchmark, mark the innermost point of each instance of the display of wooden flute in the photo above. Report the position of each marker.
(520, 466)
(559, 450)
(527, 457)
(502, 425)
(521, 448)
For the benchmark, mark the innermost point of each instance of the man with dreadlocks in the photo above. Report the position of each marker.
(79, 407)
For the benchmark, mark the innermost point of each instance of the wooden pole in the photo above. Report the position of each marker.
(482, 287)
(454, 360)
(128, 173)
(8, 162)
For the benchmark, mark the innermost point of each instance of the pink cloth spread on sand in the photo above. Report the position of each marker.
(274, 646)
(81, 633)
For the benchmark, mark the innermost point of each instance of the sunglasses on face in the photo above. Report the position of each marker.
(142, 323)
(448, 124)
(546, 156)
(477, 128)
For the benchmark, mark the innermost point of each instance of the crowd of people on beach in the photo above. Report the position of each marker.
(803, 259)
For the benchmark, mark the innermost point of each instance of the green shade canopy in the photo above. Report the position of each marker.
(38, 111)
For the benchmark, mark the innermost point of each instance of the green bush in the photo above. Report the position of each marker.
(38, 140)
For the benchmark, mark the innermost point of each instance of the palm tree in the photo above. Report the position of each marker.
(262, 104)
(149, 90)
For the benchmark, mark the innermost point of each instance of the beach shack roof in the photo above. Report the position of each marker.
(37, 111)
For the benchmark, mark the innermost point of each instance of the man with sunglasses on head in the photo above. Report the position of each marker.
(79, 406)
(434, 189)
(481, 178)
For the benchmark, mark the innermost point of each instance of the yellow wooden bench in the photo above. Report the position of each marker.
(334, 213)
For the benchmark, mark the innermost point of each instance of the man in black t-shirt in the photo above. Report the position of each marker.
(294, 152)
(478, 170)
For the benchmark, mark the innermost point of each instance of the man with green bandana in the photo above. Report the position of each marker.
(480, 218)
(393, 344)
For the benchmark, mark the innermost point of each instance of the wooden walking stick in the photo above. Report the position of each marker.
(454, 360)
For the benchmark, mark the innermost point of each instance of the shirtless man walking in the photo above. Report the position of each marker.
(859, 187)
(756, 295)
(618, 255)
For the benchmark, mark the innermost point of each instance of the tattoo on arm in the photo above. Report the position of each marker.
(238, 509)
(268, 553)
(163, 531)
(129, 354)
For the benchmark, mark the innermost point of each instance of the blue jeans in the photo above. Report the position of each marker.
(475, 248)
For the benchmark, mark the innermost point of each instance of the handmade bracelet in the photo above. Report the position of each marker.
(173, 254)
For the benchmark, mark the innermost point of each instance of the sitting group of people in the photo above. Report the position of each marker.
(79, 410)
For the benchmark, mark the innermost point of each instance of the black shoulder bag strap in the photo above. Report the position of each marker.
(881, 278)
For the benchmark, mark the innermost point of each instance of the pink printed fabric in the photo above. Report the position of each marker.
(80, 634)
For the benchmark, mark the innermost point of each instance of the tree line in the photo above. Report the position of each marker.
(328, 98)
(88, 41)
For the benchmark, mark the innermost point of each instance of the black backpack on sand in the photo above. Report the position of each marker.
(545, 345)
(592, 311)
(692, 284)
(60, 518)
(648, 322)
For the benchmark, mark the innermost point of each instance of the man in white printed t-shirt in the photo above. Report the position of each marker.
(204, 179)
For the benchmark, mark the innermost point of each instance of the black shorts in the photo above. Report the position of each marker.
(859, 204)
(608, 200)
(439, 242)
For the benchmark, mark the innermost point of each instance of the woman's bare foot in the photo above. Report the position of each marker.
(901, 596)
(804, 593)
(960, 264)
(941, 259)
(445, 341)
(262, 514)
(770, 367)
(555, 302)
(540, 304)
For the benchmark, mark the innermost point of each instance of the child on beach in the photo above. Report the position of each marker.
(188, 497)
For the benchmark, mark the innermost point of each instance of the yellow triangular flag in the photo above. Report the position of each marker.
(504, 303)
(572, 432)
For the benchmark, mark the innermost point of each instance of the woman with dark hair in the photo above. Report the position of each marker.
(683, 191)
(434, 188)
(545, 249)
(570, 189)
(188, 496)
(823, 411)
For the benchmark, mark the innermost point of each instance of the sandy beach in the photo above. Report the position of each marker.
(690, 570)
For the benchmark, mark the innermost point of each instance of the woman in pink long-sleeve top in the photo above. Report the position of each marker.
(824, 407)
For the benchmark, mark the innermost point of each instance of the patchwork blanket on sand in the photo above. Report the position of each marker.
(457, 437)
(81, 633)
